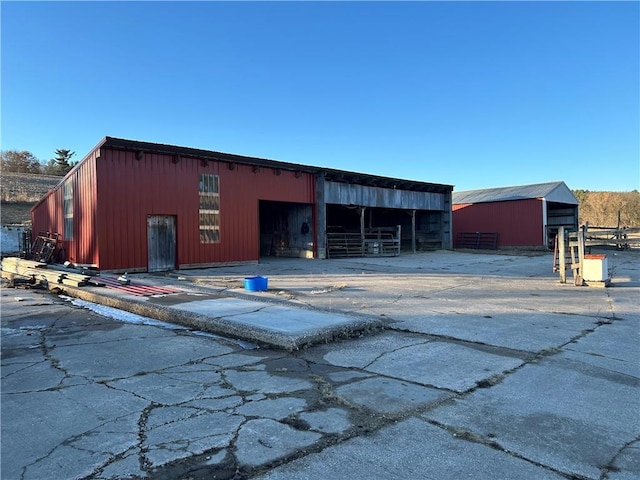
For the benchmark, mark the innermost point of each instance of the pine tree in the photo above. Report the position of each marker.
(62, 160)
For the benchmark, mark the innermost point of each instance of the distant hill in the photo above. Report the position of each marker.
(19, 192)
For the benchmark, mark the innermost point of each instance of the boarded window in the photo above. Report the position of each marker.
(68, 209)
(209, 190)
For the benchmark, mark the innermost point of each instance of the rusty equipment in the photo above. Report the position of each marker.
(44, 247)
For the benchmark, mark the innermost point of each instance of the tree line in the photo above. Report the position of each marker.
(26, 162)
(609, 209)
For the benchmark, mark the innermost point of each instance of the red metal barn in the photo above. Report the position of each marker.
(136, 206)
(521, 216)
(139, 206)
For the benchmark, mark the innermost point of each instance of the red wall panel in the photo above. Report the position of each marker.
(129, 190)
(519, 223)
(48, 214)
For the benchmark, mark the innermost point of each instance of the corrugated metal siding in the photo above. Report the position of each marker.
(518, 223)
(48, 214)
(129, 190)
(85, 240)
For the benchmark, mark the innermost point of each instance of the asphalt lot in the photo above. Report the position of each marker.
(484, 367)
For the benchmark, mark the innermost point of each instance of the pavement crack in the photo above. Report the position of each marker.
(25, 367)
(70, 442)
(107, 384)
(611, 466)
(48, 348)
(390, 352)
(328, 396)
(489, 441)
(97, 472)
(144, 462)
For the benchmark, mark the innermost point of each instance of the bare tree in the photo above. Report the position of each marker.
(20, 162)
(604, 209)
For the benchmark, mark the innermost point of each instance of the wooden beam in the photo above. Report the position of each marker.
(562, 261)
(362, 211)
(413, 231)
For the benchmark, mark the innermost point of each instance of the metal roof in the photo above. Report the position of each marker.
(333, 175)
(553, 192)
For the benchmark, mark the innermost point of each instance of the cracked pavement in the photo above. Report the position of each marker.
(487, 368)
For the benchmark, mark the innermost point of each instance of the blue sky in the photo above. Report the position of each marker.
(472, 94)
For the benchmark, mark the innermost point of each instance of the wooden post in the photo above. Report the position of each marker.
(320, 218)
(413, 231)
(579, 270)
(562, 261)
(362, 210)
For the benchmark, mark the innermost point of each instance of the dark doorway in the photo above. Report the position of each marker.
(161, 243)
(286, 229)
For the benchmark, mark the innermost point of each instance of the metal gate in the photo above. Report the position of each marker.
(161, 243)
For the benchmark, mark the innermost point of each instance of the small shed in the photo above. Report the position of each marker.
(138, 206)
(519, 216)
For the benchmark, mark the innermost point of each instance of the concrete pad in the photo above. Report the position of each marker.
(292, 321)
(386, 395)
(59, 419)
(569, 416)
(167, 442)
(216, 403)
(409, 449)
(233, 360)
(559, 411)
(109, 358)
(92, 450)
(38, 376)
(289, 328)
(263, 382)
(626, 466)
(607, 363)
(361, 352)
(607, 347)
(346, 376)
(21, 347)
(471, 295)
(518, 330)
(412, 358)
(220, 307)
(127, 466)
(331, 420)
(443, 365)
(263, 441)
(163, 389)
(274, 408)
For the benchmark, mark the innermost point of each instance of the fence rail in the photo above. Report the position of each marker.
(376, 242)
(477, 240)
(621, 238)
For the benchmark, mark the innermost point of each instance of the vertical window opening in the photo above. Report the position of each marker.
(209, 193)
(68, 209)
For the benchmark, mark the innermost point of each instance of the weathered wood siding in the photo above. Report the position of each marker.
(365, 196)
